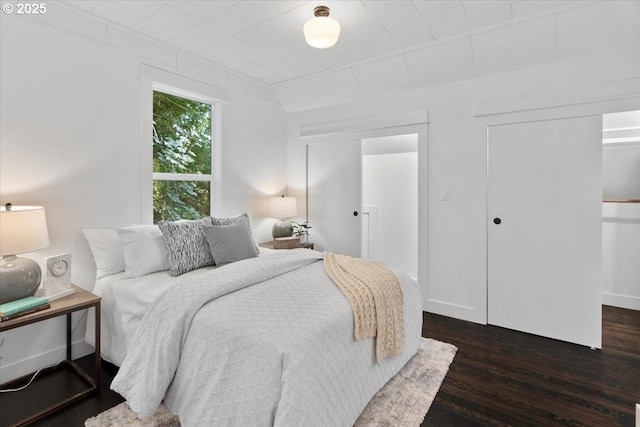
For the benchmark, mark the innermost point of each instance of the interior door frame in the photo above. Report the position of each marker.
(478, 312)
(371, 213)
(373, 127)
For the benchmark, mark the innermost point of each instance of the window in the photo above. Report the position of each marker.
(182, 157)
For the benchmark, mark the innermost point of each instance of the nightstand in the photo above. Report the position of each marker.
(269, 245)
(79, 300)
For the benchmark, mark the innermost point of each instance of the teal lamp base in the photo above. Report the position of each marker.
(19, 278)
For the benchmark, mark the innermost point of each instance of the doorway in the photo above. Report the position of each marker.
(621, 209)
(334, 185)
(390, 201)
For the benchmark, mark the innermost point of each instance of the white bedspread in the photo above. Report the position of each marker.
(274, 346)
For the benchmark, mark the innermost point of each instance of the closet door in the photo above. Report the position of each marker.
(335, 196)
(545, 228)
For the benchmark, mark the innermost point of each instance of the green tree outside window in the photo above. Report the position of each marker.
(182, 147)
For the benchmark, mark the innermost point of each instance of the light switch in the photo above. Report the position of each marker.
(445, 194)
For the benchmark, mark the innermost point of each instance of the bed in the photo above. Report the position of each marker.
(263, 341)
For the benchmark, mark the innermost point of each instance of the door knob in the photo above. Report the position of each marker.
(497, 221)
(355, 213)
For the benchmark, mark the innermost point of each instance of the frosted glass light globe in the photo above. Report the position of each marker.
(321, 32)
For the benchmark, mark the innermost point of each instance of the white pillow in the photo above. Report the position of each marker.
(107, 250)
(144, 248)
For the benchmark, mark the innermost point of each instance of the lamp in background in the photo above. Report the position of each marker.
(283, 207)
(321, 32)
(22, 229)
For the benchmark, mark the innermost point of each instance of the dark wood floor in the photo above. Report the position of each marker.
(499, 377)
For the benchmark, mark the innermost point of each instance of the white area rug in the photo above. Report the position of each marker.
(403, 401)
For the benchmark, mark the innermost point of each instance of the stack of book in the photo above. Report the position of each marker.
(23, 306)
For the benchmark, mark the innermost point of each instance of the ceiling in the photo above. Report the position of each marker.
(263, 39)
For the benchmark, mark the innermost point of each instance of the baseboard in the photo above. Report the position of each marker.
(43, 360)
(456, 311)
(621, 301)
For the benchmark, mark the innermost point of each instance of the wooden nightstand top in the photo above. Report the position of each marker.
(78, 300)
(269, 245)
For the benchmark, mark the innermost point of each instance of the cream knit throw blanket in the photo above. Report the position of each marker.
(375, 295)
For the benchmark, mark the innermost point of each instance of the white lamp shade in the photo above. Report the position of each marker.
(321, 32)
(283, 207)
(22, 229)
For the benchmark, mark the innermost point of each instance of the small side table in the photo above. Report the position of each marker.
(79, 300)
(269, 245)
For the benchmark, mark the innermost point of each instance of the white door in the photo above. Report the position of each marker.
(335, 196)
(545, 228)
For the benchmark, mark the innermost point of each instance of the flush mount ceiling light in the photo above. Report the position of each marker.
(321, 32)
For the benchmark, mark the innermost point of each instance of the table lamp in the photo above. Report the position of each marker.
(22, 229)
(282, 208)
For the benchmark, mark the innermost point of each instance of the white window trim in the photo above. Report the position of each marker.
(160, 176)
(154, 79)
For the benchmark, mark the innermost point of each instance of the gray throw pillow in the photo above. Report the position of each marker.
(242, 218)
(229, 243)
(187, 245)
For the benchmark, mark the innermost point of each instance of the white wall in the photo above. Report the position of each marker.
(390, 182)
(620, 254)
(70, 141)
(449, 286)
(621, 170)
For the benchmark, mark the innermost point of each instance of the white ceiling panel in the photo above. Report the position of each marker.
(599, 24)
(384, 11)
(397, 45)
(346, 58)
(334, 82)
(275, 50)
(258, 11)
(522, 8)
(294, 73)
(365, 39)
(443, 57)
(489, 9)
(518, 39)
(146, 8)
(299, 59)
(264, 39)
(257, 36)
(202, 9)
(411, 30)
(295, 91)
(229, 48)
(391, 71)
(218, 27)
(84, 4)
(258, 57)
(166, 23)
(475, 21)
(269, 69)
(303, 70)
(117, 13)
(242, 63)
(188, 43)
(439, 12)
